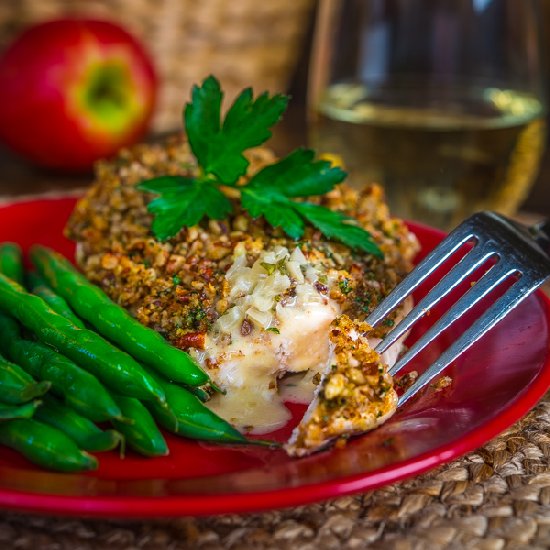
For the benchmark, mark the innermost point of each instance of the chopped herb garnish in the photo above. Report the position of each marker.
(345, 286)
(194, 317)
(281, 266)
(176, 280)
(273, 329)
(270, 268)
(218, 146)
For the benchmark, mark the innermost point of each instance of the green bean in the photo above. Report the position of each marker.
(143, 435)
(114, 322)
(80, 390)
(45, 446)
(199, 392)
(8, 412)
(11, 261)
(113, 367)
(186, 415)
(81, 430)
(18, 387)
(39, 287)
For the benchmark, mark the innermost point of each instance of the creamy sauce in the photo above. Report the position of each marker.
(288, 335)
(249, 367)
(251, 411)
(252, 367)
(299, 388)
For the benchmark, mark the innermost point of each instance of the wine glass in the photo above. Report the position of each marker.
(440, 101)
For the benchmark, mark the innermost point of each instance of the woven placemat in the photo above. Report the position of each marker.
(497, 497)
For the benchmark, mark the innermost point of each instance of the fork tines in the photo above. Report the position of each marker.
(513, 252)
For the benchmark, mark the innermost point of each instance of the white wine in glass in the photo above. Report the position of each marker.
(449, 122)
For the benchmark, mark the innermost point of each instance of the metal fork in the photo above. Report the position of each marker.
(516, 250)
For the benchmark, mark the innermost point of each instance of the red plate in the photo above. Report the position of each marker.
(494, 384)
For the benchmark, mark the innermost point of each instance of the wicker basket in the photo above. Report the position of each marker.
(243, 42)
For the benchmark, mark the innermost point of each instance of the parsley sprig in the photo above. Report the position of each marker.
(218, 146)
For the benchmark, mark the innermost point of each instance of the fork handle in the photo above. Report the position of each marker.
(541, 234)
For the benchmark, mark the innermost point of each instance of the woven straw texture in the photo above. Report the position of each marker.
(244, 43)
(495, 498)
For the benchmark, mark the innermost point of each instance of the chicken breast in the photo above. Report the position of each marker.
(250, 304)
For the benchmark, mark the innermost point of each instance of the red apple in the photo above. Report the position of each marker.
(73, 91)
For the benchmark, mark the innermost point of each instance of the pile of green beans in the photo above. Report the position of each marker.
(71, 358)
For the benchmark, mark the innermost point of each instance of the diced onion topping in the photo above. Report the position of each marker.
(256, 290)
